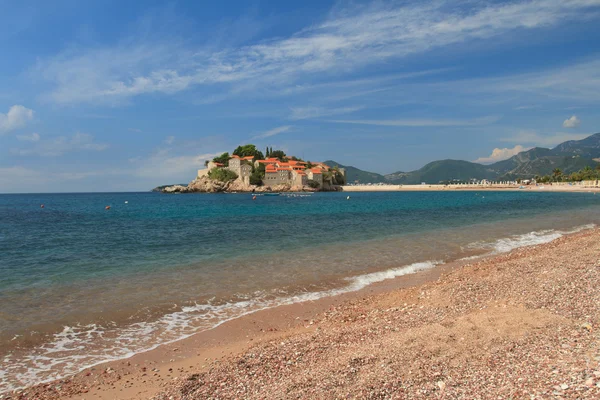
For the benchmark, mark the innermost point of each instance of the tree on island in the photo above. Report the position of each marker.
(222, 175)
(258, 174)
(279, 154)
(249, 150)
(222, 159)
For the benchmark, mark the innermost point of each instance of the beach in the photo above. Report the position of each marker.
(519, 325)
(553, 187)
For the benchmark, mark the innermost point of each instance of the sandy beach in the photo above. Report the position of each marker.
(520, 325)
(560, 187)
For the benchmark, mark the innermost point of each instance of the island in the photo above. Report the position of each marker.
(247, 169)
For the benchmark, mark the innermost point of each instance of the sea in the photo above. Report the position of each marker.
(81, 284)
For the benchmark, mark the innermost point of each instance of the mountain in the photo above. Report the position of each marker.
(569, 156)
(443, 170)
(354, 174)
(588, 147)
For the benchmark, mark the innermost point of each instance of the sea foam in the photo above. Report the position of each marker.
(80, 347)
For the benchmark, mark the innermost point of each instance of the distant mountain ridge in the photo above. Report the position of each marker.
(569, 156)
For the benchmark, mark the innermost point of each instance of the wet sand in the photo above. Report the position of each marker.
(524, 324)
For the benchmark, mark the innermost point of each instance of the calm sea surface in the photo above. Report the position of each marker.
(80, 284)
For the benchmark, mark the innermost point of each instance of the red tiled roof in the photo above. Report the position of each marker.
(266, 162)
(218, 164)
(248, 158)
(316, 171)
(284, 169)
(234, 156)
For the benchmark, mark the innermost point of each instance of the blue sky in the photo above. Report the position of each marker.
(119, 96)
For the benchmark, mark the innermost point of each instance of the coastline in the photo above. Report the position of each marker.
(467, 188)
(218, 350)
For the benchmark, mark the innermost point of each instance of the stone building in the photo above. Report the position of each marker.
(242, 166)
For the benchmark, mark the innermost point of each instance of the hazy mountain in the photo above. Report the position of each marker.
(443, 170)
(569, 156)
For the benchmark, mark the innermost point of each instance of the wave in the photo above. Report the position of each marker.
(508, 244)
(83, 346)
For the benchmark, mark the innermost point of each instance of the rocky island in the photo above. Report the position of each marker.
(249, 170)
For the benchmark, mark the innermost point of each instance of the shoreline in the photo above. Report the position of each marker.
(145, 374)
(471, 188)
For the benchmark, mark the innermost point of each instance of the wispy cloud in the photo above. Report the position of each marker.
(534, 138)
(527, 107)
(61, 145)
(273, 132)
(34, 137)
(349, 39)
(317, 112)
(572, 122)
(169, 140)
(422, 122)
(499, 154)
(16, 117)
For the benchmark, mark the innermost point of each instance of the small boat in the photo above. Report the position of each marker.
(271, 194)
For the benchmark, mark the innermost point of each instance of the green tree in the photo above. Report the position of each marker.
(279, 154)
(222, 175)
(267, 153)
(249, 150)
(557, 174)
(258, 174)
(223, 159)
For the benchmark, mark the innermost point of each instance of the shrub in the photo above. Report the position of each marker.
(222, 175)
(313, 184)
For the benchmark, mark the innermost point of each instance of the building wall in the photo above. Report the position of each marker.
(277, 178)
(245, 172)
(316, 177)
(300, 180)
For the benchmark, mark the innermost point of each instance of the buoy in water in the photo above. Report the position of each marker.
(41, 206)
(348, 198)
(126, 202)
(253, 197)
(107, 208)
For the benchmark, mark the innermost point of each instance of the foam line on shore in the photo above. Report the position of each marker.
(189, 321)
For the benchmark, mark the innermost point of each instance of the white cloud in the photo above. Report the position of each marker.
(34, 137)
(349, 39)
(572, 122)
(316, 112)
(165, 166)
(16, 117)
(422, 122)
(169, 140)
(499, 154)
(535, 139)
(272, 132)
(61, 145)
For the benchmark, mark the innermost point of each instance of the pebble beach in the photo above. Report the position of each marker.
(520, 325)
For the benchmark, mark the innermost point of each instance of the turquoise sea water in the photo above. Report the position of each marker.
(80, 284)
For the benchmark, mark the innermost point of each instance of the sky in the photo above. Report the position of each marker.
(126, 96)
